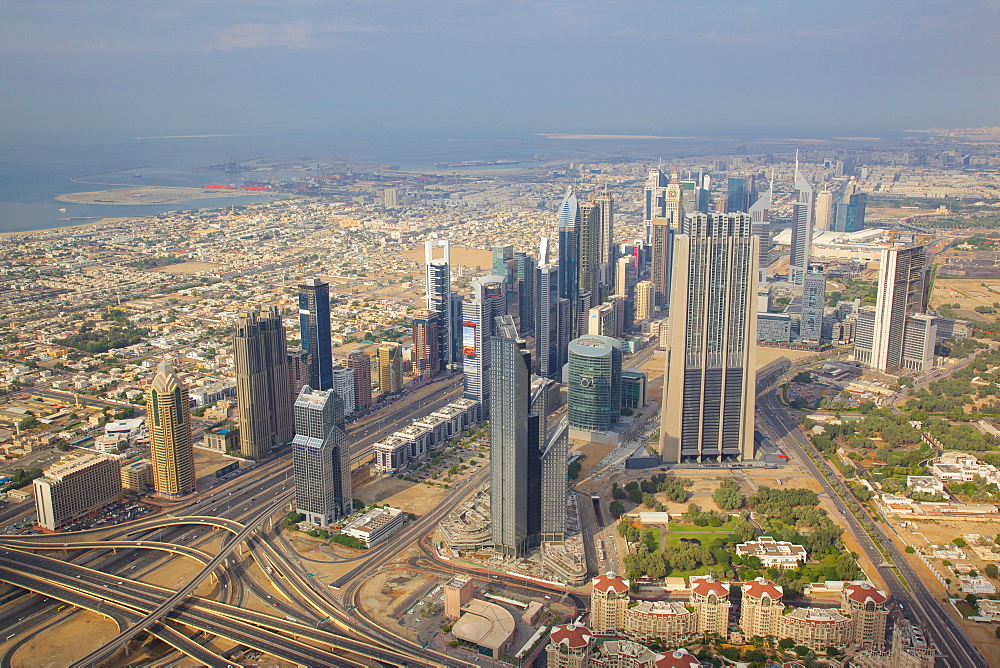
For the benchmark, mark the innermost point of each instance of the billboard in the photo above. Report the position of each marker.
(227, 469)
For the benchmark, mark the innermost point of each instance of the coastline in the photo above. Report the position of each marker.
(89, 223)
(152, 195)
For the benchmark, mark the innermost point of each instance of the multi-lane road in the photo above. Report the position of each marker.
(954, 647)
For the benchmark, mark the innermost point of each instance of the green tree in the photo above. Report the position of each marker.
(728, 496)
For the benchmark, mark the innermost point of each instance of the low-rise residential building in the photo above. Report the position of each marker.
(376, 525)
(772, 553)
(962, 467)
(137, 476)
(924, 484)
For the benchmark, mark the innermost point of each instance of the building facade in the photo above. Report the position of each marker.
(314, 327)
(262, 381)
(390, 367)
(479, 313)
(361, 364)
(426, 339)
(594, 383)
(709, 394)
(439, 297)
(82, 483)
(171, 451)
(321, 458)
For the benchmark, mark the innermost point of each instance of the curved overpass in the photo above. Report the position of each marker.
(182, 550)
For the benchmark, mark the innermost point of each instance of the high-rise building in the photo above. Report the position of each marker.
(824, 209)
(314, 326)
(361, 364)
(525, 278)
(867, 606)
(528, 485)
(741, 193)
(439, 298)
(321, 458)
(343, 385)
(760, 226)
(618, 304)
(606, 252)
(813, 305)
(502, 255)
(426, 357)
(850, 214)
(708, 389)
(663, 231)
(390, 198)
(261, 355)
(547, 349)
(594, 383)
(513, 433)
(625, 286)
(602, 320)
(81, 483)
(902, 292)
(298, 371)
(488, 301)
(569, 249)
(761, 608)
(802, 226)
(390, 367)
(655, 196)
(168, 411)
(645, 300)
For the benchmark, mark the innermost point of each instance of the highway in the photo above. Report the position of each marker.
(955, 649)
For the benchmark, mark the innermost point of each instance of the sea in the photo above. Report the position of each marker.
(35, 168)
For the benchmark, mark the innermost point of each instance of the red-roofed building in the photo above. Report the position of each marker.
(761, 608)
(679, 658)
(569, 646)
(866, 605)
(710, 599)
(608, 603)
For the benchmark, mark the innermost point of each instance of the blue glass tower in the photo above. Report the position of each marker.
(569, 252)
(314, 323)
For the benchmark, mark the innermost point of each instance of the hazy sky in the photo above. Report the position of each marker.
(644, 66)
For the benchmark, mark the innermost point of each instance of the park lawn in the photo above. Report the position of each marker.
(691, 528)
(707, 539)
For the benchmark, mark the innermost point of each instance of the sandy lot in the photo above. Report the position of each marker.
(968, 293)
(413, 497)
(471, 258)
(188, 268)
(62, 644)
(151, 195)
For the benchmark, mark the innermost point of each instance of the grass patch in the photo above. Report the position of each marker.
(707, 539)
(691, 528)
(966, 609)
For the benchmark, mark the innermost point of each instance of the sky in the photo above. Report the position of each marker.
(564, 66)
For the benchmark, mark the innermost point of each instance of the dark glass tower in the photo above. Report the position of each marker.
(314, 323)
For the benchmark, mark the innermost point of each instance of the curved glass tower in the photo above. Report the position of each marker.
(595, 383)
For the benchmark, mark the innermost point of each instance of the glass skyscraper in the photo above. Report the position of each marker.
(594, 386)
(321, 458)
(314, 324)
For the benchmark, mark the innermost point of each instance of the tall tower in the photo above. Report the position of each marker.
(708, 389)
(645, 300)
(594, 388)
(740, 194)
(343, 385)
(761, 227)
(547, 349)
(654, 201)
(663, 231)
(902, 293)
(361, 364)
(321, 458)
(589, 255)
(168, 410)
(513, 434)
(525, 277)
(802, 227)
(314, 323)
(606, 254)
(390, 367)
(439, 297)
(298, 371)
(813, 305)
(265, 413)
(569, 250)
(426, 360)
(489, 300)
(824, 209)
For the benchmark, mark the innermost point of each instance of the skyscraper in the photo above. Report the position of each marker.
(488, 301)
(321, 458)
(439, 298)
(168, 411)
(625, 286)
(594, 386)
(605, 242)
(902, 293)
(390, 367)
(761, 227)
(708, 389)
(569, 250)
(802, 227)
(547, 348)
(298, 371)
(645, 300)
(343, 385)
(813, 305)
(528, 474)
(426, 360)
(663, 231)
(654, 201)
(361, 364)
(314, 324)
(513, 433)
(740, 194)
(824, 209)
(849, 215)
(261, 355)
(525, 277)
(502, 255)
